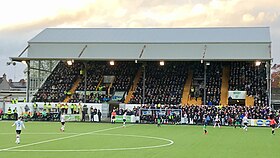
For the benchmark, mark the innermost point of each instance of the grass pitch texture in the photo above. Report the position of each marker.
(81, 140)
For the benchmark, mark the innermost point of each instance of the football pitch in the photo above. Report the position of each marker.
(81, 140)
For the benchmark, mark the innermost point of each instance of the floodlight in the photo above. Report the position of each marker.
(258, 63)
(69, 62)
(161, 63)
(112, 63)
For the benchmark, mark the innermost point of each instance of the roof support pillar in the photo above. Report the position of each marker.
(85, 88)
(28, 81)
(204, 90)
(143, 86)
(268, 81)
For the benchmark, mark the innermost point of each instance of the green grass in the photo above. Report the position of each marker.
(82, 140)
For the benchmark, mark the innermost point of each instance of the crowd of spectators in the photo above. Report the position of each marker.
(246, 76)
(134, 111)
(94, 72)
(94, 75)
(197, 114)
(163, 84)
(227, 114)
(213, 82)
(58, 83)
(197, 81)
(122, 73)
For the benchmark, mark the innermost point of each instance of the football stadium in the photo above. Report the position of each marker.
(143, 92)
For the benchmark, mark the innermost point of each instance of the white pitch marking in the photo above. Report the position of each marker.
(110, 149)
(51, 140)
(39, 133)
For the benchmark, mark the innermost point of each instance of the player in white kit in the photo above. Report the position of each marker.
(19, 125)
(217, 121)
(62, 120)
(124, 119)
(245, 122)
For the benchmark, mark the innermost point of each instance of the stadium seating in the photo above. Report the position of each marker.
(123, 73)
(246, 76)
(163, 84)
(58, 83)
(213, 82)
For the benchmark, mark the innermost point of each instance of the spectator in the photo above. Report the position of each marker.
(99, 115)
(15, 113)
(26, 108)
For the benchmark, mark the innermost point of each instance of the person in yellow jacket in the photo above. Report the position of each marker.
(13, 101)
(9, 113)
(49, 107)
(81, 72)
(75, 108)
(68, 93)
(158, 106)
(35, 106)
(45, 106)
(79, 106)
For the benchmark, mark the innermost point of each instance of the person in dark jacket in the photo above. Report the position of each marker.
(99, 115)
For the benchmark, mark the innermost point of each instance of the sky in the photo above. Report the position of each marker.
(21, 20)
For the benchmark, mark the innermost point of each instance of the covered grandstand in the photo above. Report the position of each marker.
(140, 66)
